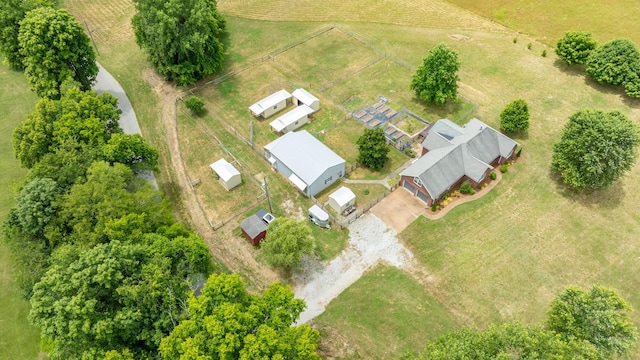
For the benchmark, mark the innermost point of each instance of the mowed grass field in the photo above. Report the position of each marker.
(18, 339)
(548, 20)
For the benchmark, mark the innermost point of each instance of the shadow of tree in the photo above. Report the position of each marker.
(608, 198)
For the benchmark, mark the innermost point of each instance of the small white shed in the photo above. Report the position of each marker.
(292, 120)
(302, 96)
(229, 176)
(271, 104)
(342, 199)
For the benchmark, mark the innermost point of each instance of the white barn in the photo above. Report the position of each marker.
(229, 176)
(341, 199)
(305, 161)
(303, 97)
(292, 120)
(271, 104)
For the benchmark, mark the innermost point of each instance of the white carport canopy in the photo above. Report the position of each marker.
(298, 182)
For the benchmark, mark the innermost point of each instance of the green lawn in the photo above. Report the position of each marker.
(18, 339)
(387, 312)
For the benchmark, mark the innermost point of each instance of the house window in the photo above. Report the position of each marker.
(328, 180)
(275, 107)
(416, 180)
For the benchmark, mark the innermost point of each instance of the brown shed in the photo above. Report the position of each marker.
(254, 229)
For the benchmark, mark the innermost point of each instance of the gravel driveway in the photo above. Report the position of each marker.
(370, 241)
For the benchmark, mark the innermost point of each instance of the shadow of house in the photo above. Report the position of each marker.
(452, 154)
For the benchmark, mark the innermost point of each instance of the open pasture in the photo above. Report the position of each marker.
(548, 20)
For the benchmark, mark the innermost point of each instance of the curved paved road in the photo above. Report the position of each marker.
(128, 121)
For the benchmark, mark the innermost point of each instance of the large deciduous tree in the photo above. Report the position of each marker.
(35, 206)
(515, 116)
(109, 193)
(117, 297)
(132, 151)
(615, 62)
(436, 80)
(226, 322)
(181, 37)
(599, 316)
(85, 117)
(595, 149)
(11, 13)
(575, 47)
(287, 240)
(372, 148)
(55, 49)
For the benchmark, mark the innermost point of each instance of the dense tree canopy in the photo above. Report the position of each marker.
(509, 341)
(11, 13)
(515, 116)
(599, 316)
(615, 62)
(287, 240)
(575, 47)
(436, 80)
(581, 325)
(132, 151)
(226, 322)
(54, 49)
(596, 149)
(117, 297)
(373, 148)
(109, 193)
(85, 117)
(181, 37)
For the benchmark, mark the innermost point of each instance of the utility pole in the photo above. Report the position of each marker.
(91, 35)
(265, 186)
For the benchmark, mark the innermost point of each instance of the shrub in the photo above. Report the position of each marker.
(466, 188)
(493, 175)
(195, 104)
(515, 116)
(434, 207)
(544, 53)
(504, 168)
(410, 153)
(366, 191)
(575, 47)
(529, 45)
(515, 40)
(519, 152)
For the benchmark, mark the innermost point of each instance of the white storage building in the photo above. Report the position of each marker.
(342, 199)
(229, 176)
(271, 104)
(303, 97)
(305, 161)
(292, 120)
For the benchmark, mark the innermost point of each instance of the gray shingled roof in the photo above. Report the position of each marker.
(456, 151)
(305, 155)
(253, 226)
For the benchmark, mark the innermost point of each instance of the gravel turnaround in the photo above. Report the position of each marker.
(370, 241)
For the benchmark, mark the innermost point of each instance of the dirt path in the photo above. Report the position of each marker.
(370, 241)
(230, 250)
